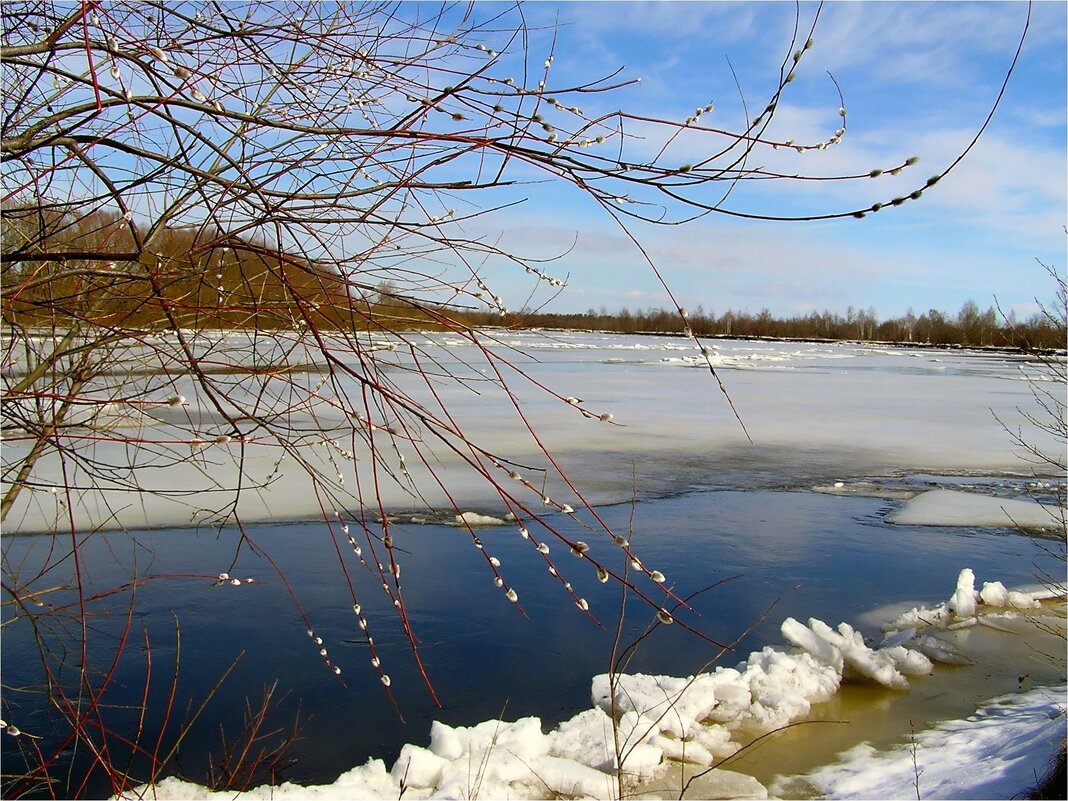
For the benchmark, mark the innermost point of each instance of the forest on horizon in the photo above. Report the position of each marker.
(204, 279)
(970, 326)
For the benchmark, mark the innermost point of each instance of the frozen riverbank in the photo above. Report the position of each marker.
(1007, 746)
(675, 732)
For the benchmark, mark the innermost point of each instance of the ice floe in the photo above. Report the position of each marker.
(476, 519)
(966, 607)
(865, 489)
(943, 507)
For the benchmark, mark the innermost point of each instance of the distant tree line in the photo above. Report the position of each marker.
(200, 278)
(968, 327)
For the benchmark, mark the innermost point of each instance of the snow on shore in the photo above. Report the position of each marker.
(701, 719)
(1005, 745)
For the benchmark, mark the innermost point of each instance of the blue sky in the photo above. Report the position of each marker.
(918, 80)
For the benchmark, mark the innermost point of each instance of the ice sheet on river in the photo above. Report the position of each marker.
(697, 720)
(813, 411)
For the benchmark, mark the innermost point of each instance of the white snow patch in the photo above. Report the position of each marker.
(476, 519)
(944, 507)
(995, 753)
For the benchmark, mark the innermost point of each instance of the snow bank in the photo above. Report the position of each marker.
(701, 719)
(953, 508)
(1005, 746)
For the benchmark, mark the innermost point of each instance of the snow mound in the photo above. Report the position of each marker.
(944, 507)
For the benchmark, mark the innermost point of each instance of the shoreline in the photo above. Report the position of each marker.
(862, 723)
(6, 331)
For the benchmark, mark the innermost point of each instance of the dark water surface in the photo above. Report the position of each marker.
(809, 554)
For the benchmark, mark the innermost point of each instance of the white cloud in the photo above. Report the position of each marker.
(1009, 186)
(1024, 310)
(929, 43)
